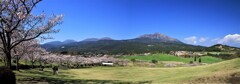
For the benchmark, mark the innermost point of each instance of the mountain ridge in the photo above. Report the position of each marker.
(153, 43)
(155, 36)
(97, 39)
(144, 43)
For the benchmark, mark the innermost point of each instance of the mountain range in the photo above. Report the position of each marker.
(154, 43)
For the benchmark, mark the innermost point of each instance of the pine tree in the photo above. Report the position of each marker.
(199, 60)
(195, 58)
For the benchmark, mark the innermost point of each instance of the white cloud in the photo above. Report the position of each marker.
(191, 40)
(203, 39)
(195, 40)
(230, 38)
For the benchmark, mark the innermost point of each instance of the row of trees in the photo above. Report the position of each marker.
(32, 52)
(28, 50)
(77, 61)
(18, 26)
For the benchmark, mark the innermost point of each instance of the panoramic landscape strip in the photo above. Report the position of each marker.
(119, 42)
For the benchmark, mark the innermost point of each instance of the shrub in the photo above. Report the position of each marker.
(238, 53)
(195, 58)
(154, 61)
(199, 60)
(133, 60)
(7, 76)
(191, 62)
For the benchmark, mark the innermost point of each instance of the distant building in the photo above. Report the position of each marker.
(107, 64)
(147, 54)
(181, 53)
(186, 53)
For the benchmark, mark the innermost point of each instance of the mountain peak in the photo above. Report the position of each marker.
(68, 41)
(158, 36)
(106, 38)
(91, 39)
(97, 39)
(153, 36)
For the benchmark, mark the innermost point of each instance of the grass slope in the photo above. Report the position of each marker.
(215, 71)
(165, 57)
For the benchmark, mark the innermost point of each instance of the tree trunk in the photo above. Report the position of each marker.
(8, 60)
(17, 64)
(45, 64)
(40, 67)
(40, 63)
(6, 39)
(32, 64)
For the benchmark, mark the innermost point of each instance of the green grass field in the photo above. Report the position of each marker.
(213, 73)
(165, 57)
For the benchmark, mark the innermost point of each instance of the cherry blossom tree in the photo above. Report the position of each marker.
(73, 61)
(16, 17)
(21, 50)
(41, 57)
(48, 58)
(34, 52)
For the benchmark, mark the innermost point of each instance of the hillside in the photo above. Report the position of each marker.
(224, 47)
(154, 43)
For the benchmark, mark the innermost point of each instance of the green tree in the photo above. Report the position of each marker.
(200, 60)
(133, 60)
(154, 61)
(195, 58)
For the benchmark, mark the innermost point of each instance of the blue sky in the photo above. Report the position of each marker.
(198, 22)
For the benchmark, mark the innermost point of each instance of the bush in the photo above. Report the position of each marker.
(7, 76)
(133, 60)
(199, 60)
(195, 58)
(154, 61)
(238, 53)
(191, 62)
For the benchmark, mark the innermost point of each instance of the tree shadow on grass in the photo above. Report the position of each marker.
(75, 81)
(234, 78)
(47, 77)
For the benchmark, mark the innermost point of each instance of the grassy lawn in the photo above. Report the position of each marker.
(133, 74)
(165, 57)
(69, 76)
